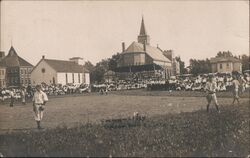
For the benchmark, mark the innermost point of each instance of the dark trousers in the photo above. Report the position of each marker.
(12, 101)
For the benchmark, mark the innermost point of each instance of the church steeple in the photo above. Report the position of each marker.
(142, 30)
(12, 51)
(143, 37)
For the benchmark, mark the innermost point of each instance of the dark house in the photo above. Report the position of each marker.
(17, 69)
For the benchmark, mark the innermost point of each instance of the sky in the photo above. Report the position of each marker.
(94, 30)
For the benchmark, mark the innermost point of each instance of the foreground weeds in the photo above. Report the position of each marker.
(184, 134)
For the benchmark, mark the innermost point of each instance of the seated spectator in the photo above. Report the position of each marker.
(223, 87)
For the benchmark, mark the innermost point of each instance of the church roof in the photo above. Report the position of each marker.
(12, 60)
(153, 52)
(65, 66)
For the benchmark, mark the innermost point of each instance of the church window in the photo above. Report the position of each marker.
(16, 80)
(43, 70)
(220, 66)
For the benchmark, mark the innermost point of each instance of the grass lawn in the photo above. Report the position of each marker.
(144, 92)
(185, 134)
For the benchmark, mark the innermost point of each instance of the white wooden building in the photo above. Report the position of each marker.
(225, 64)
(63, 72)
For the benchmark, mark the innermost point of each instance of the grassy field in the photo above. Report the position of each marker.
(93, 108)
(144, 92)
(185, 134)
(174, 126)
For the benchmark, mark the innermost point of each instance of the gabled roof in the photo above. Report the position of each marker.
(153, 52)
(65, 66)
(134, 47)
(12, 60)
(224, 59)
(23, 62)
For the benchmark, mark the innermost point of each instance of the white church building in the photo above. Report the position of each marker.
(63, 72)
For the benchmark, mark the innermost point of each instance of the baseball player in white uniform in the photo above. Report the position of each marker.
(210, 88)
(236, 85)
(39, 100)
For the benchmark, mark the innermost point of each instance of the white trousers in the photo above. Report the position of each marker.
(38, 112)
(211, 97)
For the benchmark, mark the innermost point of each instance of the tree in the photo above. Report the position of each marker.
(200, 66)
(89, 66)
(224, 54)
(245, 62)
(182, 65)
(113, 61)
(99, 70)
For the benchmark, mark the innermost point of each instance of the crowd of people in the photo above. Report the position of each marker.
(188, 83)
(223, 83)
(24, 93)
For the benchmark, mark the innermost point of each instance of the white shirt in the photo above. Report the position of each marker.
(211, 86)
(236, 84)
(11, 93)
(39, 97)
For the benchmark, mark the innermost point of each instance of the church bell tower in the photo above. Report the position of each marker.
(143, 37)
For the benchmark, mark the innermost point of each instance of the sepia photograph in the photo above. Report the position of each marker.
(112, 78)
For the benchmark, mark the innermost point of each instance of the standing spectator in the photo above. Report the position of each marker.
(29, 91)
(12, 97)
(101, 91)
(4, 94)
(23, 95)
(235, 85)
(39, 100)
(1, 94)
(211, 93)
(242, 86)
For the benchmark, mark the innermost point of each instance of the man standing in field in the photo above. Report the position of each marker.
(211, 93)
(12, 97)
(29, 91)
(235, 84)
(242, 82)
(39, 100)
(23, 95)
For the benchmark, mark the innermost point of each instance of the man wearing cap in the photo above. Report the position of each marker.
(39, 100)
(211, 93)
